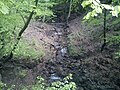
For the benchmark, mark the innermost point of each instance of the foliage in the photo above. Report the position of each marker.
(2, 85)
(44, 8)
(26, 50)
(14, 19)
(97, 8)
(76, 6)
(117, 54)
(8, 34)
(65, 84)
(43, 11)
(4, 9)
(115, 40)
(64, 4)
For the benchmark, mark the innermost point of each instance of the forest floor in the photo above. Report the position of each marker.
(91, 68)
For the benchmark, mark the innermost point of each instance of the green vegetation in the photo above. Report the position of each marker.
(65, 84)
(9, 30)
(17, 15)
(12, 22)
(26, 49)
(74, 39)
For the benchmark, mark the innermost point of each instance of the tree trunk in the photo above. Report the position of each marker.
(20, 34)
(104, 43)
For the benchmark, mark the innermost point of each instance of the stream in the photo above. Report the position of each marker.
(52, 69)
(61, 49)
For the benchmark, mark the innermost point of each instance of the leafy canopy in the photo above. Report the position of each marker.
(97, 8)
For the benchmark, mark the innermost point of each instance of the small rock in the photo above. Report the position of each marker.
(54, 77)
(64, 51)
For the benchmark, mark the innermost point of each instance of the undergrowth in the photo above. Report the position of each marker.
(93, 24)
(72, 49)
(8, 28)
(26, 50)
(10, 25)
(64, 84)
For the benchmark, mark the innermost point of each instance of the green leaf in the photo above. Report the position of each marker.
(96, 2)
(86, 3)
(108, 7)
(98, 10)
(117, 8)
(4, 9)
(114, 13)
(88, 15)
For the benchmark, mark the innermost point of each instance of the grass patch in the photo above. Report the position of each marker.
(26, 50)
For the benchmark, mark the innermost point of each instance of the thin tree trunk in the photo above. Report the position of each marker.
(70, 7)
(104, 43)
(67, 13)
(20, 33)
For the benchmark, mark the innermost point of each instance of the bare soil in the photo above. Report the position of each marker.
(91, 69)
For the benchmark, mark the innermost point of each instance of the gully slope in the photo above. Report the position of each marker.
(75, 50)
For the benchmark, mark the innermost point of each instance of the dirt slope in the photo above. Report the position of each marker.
(91, 69)
(96, 70)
